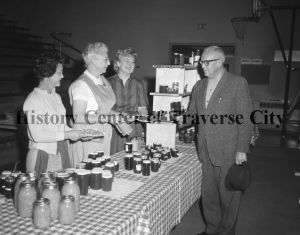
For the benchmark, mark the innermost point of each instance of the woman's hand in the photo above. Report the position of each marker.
(73, 135)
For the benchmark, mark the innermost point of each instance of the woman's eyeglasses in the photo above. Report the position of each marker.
(206, 62)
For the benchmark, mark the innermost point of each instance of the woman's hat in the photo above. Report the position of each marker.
(238, 177)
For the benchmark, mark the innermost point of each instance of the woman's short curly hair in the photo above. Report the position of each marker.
(91, 50)
(46, 65)
(124, 53)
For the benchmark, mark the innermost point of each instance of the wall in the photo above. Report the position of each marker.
(149, 27)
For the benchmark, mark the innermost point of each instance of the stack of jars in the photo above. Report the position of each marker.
(187, 135)
(138, 142)
(42, 199)
(7, 183)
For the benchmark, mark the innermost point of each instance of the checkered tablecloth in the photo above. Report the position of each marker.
(153, 208)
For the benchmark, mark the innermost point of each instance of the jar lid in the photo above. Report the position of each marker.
(100, 151)
(96, 171)
(22, 175)
(95, 161)
(137, 154)
(81, 163)
(42, 201)
(62, 174)
(68, 198)
(156, 155)
(87, 160)
(94, 153)
(83, 172)
(6, 173)
(128, 143)
(50, 185)
(129, 155)
(70, 170)
(146, 161)
(107, 176)
(106, 157)
(70, 180)
(15, 174)
(153, 150)
(97, 168)
(47, 174)
(110, 164)
(27, 184)
(45, 180)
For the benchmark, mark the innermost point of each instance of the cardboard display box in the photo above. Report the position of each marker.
(164, 133)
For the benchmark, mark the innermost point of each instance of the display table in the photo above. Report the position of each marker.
(153, 208)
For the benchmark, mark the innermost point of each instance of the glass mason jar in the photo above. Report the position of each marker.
(26, 198)
(134, 142)
(42, 213)
(50, 191)
(71, 188)
(66, 210)
(20, 178)
(43, 175)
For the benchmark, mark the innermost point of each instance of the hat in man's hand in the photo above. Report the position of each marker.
(238, 177)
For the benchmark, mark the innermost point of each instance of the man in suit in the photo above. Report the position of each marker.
(221, 107)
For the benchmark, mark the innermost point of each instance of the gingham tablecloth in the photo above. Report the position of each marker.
(153, 208)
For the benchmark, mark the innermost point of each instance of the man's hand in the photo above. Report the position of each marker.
(240, 158)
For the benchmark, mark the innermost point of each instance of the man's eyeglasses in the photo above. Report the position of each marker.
(206, 62)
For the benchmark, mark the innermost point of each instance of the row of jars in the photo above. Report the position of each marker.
(187, 135)
(41, 199)
(51, 205)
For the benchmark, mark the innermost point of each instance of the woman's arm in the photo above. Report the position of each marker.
(37, 123)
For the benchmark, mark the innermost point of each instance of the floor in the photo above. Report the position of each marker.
(271, 205)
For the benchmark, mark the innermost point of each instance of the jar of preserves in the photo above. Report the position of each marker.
(66, 210)
(71, 188)
(176, 59)
(26, 198)
(19, 179)
(43, 175)
(50, 191)
(187, 137)
(2, 184)
(7, 173)
(45, 181)
(135, 145)
(42, 213)
(9, 187)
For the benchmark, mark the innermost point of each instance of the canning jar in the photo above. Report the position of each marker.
(43, 175)
(9, 187)
(66, 210)
(50, 191)
(71, 188)
(42, 213)
(20, 178)
(26, 198)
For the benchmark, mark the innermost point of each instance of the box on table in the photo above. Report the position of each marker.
(164, 133)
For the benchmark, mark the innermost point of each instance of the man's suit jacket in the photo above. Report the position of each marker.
(225, 138)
